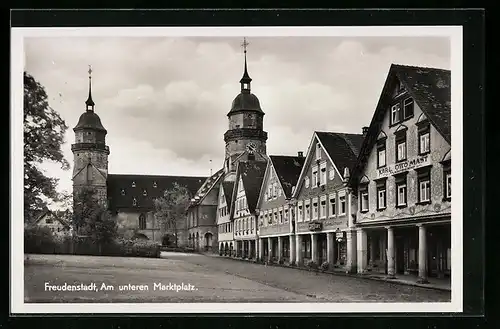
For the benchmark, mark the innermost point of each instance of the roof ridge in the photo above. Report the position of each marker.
(420, 67)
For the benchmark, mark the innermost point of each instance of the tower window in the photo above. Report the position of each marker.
(133, 184)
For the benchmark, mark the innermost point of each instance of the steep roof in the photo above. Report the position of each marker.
(89, 120)
(288, 170)
(252, 175)
(228, 191)
(117, 182)
(429, 87)
(56, 215)
(342, 148)
(207, 185)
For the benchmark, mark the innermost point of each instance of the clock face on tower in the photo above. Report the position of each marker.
(251, 148)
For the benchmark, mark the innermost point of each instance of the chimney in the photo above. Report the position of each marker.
(365, 131)
(300, 154)
(346, 174)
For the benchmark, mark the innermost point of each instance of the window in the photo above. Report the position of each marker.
(333, 205)
(401, 146)
(364, 206)
(286, 215)
(381, 156)
(314, 177)
(447, 181)
(318, 151)
(381, 195)
(408, 108)
(300, 214)
(155, 185)
(134, 202)
(424, 142)
(133, 184)
(275, 217)
(315, 209)
(279, 192)
(401, 194)
(281, 216)
(48, 220)
(308, 212)
(322, 176)
(331, 173)
(306, 182)
(123, 191)
(145, 193)
(322, 207)
(342, 204)
(395, 113)
(424, 186)
(142, 222)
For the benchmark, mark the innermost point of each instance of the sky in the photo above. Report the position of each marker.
(164, 100)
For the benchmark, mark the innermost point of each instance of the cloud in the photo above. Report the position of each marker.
(164, 101)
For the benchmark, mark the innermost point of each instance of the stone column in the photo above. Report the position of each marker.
(422, 254)
(314, 248)
(292, 248)
(261, 249)
(330, 247)
(298, 248)
(362, 252)
(250, 249)
(372, 247)
(351, 251)
(280, 248)
(270, 249)
(391, 270)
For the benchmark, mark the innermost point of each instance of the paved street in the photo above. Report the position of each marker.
(200, 278)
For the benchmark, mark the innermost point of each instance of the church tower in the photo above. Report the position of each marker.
(245, 139)
(90, 152)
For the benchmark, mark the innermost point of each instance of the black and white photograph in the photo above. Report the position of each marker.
(237, 169)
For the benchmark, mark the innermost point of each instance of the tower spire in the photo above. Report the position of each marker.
(245, 80)
(89, 102)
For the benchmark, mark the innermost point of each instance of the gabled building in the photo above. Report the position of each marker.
(58, 222)
(274, 209)
(324, 205)
(403, 177)
(249, 176)
(224, 223)
(202, 214)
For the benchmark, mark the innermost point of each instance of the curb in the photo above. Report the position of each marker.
(339, 273)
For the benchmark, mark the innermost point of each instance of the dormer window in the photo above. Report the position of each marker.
(134, 202)
(123, 191)
(155, 185)
(133, 184)
(145, 193)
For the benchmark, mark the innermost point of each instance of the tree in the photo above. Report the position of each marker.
(44, 131)
(170, 210)
(91, 219)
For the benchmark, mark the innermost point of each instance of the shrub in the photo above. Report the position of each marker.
(38, 240)
(311, 264)
(281, 262)
(325, 266)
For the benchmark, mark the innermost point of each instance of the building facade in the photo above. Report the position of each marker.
(274, 208)
(403, 177)
(324, 204)
(224, 224)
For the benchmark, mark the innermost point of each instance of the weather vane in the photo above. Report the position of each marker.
(244, 45)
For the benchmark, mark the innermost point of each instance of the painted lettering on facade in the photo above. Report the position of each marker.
(396, 168)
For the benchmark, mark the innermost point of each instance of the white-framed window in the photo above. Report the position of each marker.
(424, 141)
(331, 172)
(401, 150)
(401, 194)
(408, 106)
(333, 205)
(395, 113)
(307, 207)
(448, 185)
(322, 207)
(286, 214)
(318, 151)
(275, 190)
(365, 205)
(342, 201)
(300, 212)
(314, 176)
(381, 154)
(281, 216)
(306, 182)
(322, 174)
(133, 184)
(315, 208)
(279, 190)
(381, 197)
(425, 190)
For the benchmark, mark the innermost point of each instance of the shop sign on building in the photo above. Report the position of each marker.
(414, 163)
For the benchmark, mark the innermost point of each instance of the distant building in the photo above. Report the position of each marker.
(403, 177)
(224, 224)
(56, 222)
